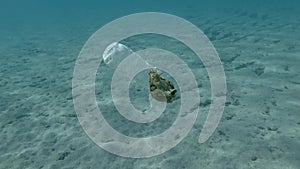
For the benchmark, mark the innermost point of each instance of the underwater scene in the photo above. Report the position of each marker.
(146, 84)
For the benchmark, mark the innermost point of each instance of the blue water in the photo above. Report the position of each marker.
(258, 45)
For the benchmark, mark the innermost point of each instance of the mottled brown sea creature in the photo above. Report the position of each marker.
(160, 89)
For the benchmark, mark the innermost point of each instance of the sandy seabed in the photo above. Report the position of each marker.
(259, 129)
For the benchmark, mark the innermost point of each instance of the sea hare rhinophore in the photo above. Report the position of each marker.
(160, 89)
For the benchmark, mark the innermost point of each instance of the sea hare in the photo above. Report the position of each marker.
(160, 89)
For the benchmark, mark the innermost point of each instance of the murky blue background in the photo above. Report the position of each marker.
(258, 43)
